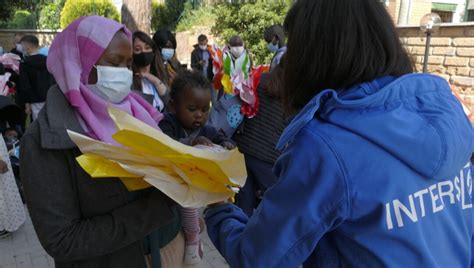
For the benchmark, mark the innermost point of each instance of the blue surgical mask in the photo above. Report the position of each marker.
(273, 48)
(167, 53)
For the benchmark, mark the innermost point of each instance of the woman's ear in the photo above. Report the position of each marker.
(93, 76)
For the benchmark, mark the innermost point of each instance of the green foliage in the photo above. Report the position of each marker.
(74, 9)
(166, 15)
(9, 7)
(49, 16)
(203, 16)
(249, 20)
(22, 19)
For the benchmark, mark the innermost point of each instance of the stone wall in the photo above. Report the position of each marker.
(6, 37)
(451, 55)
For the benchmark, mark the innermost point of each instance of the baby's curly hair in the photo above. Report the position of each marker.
(188, 80)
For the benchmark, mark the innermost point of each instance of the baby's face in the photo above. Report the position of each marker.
(192, 108)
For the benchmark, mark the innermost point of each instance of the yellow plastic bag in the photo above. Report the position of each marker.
(193, 177)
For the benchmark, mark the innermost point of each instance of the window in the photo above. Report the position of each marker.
(446, 16)
(470, 15)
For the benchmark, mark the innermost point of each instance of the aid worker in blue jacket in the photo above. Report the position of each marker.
(376, 165)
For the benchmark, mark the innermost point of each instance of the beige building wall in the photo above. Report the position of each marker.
(419, 8)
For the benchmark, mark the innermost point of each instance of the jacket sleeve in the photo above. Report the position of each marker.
(283, 232)
(216, 137)
(168, 126)
(50, 192)
(24, 87)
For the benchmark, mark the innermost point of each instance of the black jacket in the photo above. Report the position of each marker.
(259, 135)
(80, 221)
(35, 80)
(196, 58)
(15, 51)
(171, 127)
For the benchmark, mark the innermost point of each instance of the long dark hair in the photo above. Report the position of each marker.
(145, 38)
(337, 44)
(162, 37)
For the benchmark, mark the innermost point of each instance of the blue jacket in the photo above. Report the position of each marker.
(375, 176)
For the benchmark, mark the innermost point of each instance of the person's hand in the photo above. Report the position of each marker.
(228, 145)
(201, 140)
(28, 108)
(3, 167)
(155, 81)
(150, 77)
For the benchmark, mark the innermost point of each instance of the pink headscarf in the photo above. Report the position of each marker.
(71, 57)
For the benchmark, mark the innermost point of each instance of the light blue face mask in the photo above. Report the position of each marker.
(167, 53)
(273, 48)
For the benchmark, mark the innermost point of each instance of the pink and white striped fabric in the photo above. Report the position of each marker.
(71, 57)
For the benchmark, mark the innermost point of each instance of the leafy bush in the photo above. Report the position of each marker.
(22, 19)
(203, 16)
(166, 15)
(249, 20)
(49, 16)
(74, 9)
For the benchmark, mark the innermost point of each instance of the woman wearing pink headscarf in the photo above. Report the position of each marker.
(83, 222)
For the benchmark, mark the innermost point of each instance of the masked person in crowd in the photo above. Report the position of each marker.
(275, 38)
(167, 64)
(145, 76)
(35, 79)
(238, 56)
(80, 221)
(375, 169)
(201, 61)
(18, 49)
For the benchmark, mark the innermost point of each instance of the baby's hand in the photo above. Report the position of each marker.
(228, 145)
(201, 140)
(3, 167)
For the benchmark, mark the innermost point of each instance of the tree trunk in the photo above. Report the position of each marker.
(136, 15)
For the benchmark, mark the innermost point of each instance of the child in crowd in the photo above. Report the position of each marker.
(186, 122)
(12, 212)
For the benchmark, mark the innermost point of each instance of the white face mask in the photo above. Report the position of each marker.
(19, 48)
(114, 83)
(237, 51)
(203, 47)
